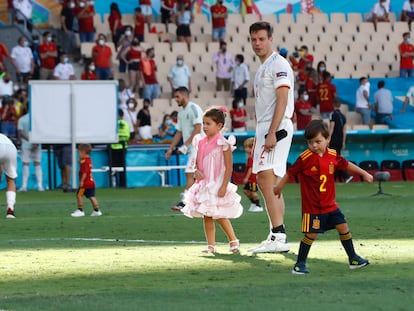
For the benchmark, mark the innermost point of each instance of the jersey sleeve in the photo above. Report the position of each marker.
(280, 73)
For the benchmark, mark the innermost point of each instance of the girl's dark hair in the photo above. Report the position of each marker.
(216, 115)
(315, 127)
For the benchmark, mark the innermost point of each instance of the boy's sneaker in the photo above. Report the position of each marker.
(255, 209)
(78, 213)
(96, 213)
(178, 207)
(357, 262)
(275, 243)
(10, 214)
(300, 268)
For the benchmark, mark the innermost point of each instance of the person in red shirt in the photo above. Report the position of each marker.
(139, 22)
(146, 8)
(315, 169)
(48, 55)
(4, 52)
(303, 110)
(149, 76)
(8, 118)
(89, 72)
(326, 96)
(115, 23)
(167, 11)
(406, 49)
(86, 182)
(238, 115)
(102, 58)
(218, 21)
(85, 13)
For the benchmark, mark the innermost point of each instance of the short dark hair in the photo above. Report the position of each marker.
(240, 58)
(182, 89)
(255, 27)
(315, 127)
(381, 84)
(362, 78)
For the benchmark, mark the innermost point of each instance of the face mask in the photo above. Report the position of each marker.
(224, 50)
(168, 122)
(91, 68)
(15, 88)
(180, 62)
(240, 105)
(36, 42)
(101, 42)
(131, 105)
(322, 69)
(128, 33)
(305, 97)
(49, 39)
(367, 85)
(82, 4)
(408, 40)
(135, 43)
(220, 2)
(6, 80)
(301, 53)
(72, 5)
(66, 60)
(26, 43)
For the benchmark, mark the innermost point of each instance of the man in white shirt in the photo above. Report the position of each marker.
(179, 75)
(384, 104)
(362, 105)
(22, 60)
(24, 13)
(407, 14)
(6, 86)
(240, 78)
(64, 70)
(379, 12)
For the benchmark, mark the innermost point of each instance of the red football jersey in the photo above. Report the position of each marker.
(218, 22)
(326, 92)
(253, 176)
(406, 62)
(85, 167)
(317, 180)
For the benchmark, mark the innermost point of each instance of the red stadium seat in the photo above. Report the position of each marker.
(408, 170)
(394, 168)
(370, 166)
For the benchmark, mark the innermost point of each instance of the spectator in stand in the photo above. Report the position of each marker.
(124, 93)
(406, 49)
(124, 43)
(362, 105)
(379, 12)
(130, 116)
(326, 96)
(311, 83)
(4, 53)
(240, 78)
(292, 59)
(139, 22)
(22, 60)
(179, 75)
(132, 56)
(238, 116)
(20, 101)
(115, 23)
(89, 71)
(166, 130)
(48, 55)
(409, 99)
(85, 13)
(224, 63)
(24, 13)
(167, 12)
(320, 69)
(407, 14)
(183, 18)
(36, 57)
(144, 122)
(146, 8)
(305, 62)
(149, 74)
(8, 118)
(64, 70)
(67, 17)
(6, 86)
(303, 110)
(218, 20)
(383, 104)
(102, 58)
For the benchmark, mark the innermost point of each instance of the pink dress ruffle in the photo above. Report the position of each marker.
(201, 199)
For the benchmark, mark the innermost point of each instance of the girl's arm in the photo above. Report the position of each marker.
(228, 169)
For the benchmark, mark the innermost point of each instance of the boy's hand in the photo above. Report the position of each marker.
(368, 177)
(277, 190)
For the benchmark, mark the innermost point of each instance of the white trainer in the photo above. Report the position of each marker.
(276, 243)
(40, 189)
(78, 213)
(96, 213)
(255, 209)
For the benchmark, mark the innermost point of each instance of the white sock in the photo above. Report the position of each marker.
(39, 176)
(25, 176)
(11, 199)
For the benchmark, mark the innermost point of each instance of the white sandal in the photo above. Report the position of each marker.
(235, 248)
(210, 249)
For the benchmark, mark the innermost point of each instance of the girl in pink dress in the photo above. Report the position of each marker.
(212, 196)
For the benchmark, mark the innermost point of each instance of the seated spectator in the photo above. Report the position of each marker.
(379, 12)
(238, 115)
(407, 14)
(166, 130)
(89, 71)
(8, 118)
(115, 23)
(143, 123)
(102, 58)
(132, 56)
(64, 70)
(303, 110)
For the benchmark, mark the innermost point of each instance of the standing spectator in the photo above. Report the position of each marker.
(406, 49)
(409, 99)
(167, 12)
(179, 75)
(383, 104)
(183, 18)
(149, 73)
(85, 13)
(8, 118)
(132, 56)
(218, 20)
(240, 78)
(118, 150)
(238, 116)
(362, 104)
(124, 93)
(130, 116)
(407, 14)
(139, 22)
(24, 14)
(67, 18)
(320, 69)
(303, 110)
(311, 83)
(22, 60)
(224, 63)
(143, 124)
(36, 57)
(326, 96)
(305, 59)
(89, 71)
(29, 152)
(64, 70)
(115, 23)
(124, 43)
(48, 55)
(146, 8)
(6, 86)
(250, 179)
(4, 53)
(190, 118)
(274, 94)
(379, 12)
(102, 58)
(8, 163)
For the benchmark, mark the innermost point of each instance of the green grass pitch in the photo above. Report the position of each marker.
(140, 255)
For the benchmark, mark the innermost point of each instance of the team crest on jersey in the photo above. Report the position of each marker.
(281, 74)
(331, 168)
(316, 223)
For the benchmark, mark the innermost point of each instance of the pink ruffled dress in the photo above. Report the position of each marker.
(201, 199)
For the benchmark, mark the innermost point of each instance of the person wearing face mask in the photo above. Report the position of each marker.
(179, 75)
(326, 96)
(166, 130)
(240, 78)
(6, 86)
(130, 116)
(143, 124)
(320, 68)
(67, 19)
(124, 43)
(224, 63)
(379, 12)
(102, 58)
(48, 54)
(115, 23)
(132, 57)
(22, 60)
(362, 104)
(89, 72)
(64, 70)
(303, 110)
(24, 14)
(406, 49)
(151, 87)
(85, 13)
(218, 13)
(407, 14)
(238, 115)
(167, 12)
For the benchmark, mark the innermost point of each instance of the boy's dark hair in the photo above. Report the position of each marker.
(315, 127)
(216, 115)
(255, 27)
(240, 58)
(87, 148)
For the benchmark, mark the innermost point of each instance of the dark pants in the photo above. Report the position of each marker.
(241, 93)
(118, 159)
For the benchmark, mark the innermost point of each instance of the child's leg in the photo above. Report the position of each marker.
(305, 245)
(94, 202)
(346, 239)
(210, 230)
(228, 230)
(79, 199)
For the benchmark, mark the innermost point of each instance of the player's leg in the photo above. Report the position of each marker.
(355, 261)
(254, 198)
(25, 170)
(210, 232)
(9, 153)
(96, 211)
(227, 227)
(36, 156)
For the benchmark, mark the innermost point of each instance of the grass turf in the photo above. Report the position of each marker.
(142, 256)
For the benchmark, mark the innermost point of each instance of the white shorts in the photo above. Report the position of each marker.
(8, 160)
(191, 162)
(146, 10)
(276, 159)
(28, 155)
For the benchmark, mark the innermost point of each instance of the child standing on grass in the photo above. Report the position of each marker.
(315, 168)
(86, 182)
(212, 196)
(249, 180)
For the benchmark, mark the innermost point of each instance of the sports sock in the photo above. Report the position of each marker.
(346, 240)
(39, 176)
(304, 248)
(96, 208)
(257, 202)
(80, 208)
(279, 229)
(10, 199)
(25, 176)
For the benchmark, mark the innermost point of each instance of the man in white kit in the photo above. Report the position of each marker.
(8, 164)
(274, 103)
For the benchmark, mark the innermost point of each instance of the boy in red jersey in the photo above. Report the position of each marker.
(315, 168)
(86, 182)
